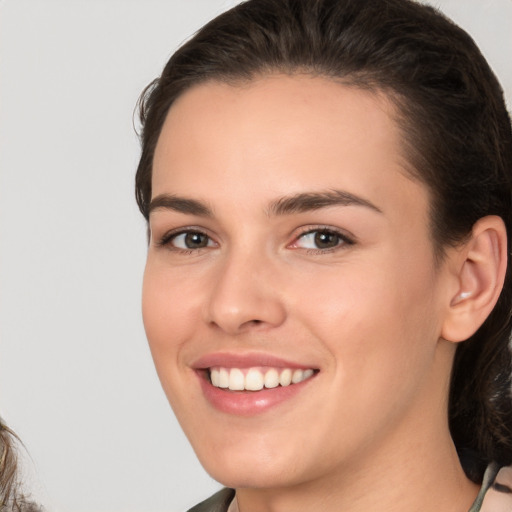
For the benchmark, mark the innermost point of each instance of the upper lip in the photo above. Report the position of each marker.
(247, 360)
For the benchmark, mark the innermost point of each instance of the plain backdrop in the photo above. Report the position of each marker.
(76, 378)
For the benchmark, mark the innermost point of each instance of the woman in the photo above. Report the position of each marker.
(327, 297)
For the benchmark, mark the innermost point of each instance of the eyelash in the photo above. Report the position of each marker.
(166, 240)
(343, 240)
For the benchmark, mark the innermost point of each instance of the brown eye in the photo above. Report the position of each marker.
(195, 240)
(321, 239)
(190, 240)
(326, 239)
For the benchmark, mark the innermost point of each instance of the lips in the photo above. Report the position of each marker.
(250, 384)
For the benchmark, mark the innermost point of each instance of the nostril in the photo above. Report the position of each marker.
(234, 310)
(256, 323)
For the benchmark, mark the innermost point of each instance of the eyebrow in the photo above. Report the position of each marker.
(180, 205)
(298, 203)
(309, 201)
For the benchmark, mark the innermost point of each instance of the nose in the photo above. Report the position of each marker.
(245, 295)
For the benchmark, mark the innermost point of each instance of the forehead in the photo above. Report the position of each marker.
(281, 134)
(277, 111)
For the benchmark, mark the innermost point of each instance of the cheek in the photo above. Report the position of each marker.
(362, 296)
(377, 318)
(168, 311)
(169, 318)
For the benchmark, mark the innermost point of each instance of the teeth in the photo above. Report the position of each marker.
(285, 378)
(271, 379)
(214, 376)
(223, 378)
(236, 380)
(255, 379)
(298, 376)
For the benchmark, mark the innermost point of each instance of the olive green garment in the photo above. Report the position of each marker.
(220, 501)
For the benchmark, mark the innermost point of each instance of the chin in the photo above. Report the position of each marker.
(249, 471)
(249, 478)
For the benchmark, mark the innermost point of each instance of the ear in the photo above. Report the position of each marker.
(480, 272)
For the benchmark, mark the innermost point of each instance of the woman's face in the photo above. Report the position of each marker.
(287, 242)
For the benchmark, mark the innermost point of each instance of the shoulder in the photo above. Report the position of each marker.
(496, 493)
(498, 497)
(219, 502)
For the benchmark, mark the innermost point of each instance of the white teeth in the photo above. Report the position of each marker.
(298, 376)
(214, 376)
(236, 380)
(271, 379)
(285, 378)
(308, 373)
(223, 378)
(255, 379)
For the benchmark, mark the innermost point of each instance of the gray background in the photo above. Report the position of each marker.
(76, 377)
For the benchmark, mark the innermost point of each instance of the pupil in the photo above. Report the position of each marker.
(326, 240)
(195, 240)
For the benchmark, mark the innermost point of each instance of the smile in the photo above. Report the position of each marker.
(257, 378)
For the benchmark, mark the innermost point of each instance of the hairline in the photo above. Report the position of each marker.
(360, 80)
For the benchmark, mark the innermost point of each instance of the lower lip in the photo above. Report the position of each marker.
(249, 403)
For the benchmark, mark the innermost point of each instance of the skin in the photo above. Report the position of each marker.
(499, 498)
(370, 431)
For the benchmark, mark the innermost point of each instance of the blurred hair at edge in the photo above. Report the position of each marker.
(455, 128)
(11, 496)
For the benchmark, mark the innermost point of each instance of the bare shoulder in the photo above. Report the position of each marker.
(498, 498)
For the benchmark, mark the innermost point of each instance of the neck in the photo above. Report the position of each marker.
(414, 466)
(417, 478)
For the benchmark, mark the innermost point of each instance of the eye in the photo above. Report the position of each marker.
(321, 239)
(188, 240)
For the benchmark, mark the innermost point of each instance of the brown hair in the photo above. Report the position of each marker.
(456, 132)
(11, 497)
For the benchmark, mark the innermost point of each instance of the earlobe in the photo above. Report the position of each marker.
(480, 275)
